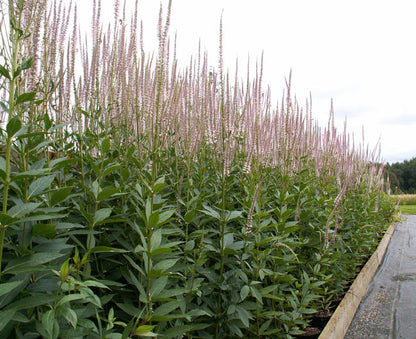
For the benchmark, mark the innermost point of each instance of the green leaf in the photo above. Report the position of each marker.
(68, 298)
(145, 331)
(40, 185)
(154, 220)
(31, 173)
(106, 249)
(2, 164)
(129, 308)
(189, 216)
(6, 317)
(93, 283)
(44, 230)
(211, 212)
(256, 294)
(179, 331)
(106, 145)
(4, 107)
(157, 285)
(165, 216)
(90, 296)
(228, 239)
(17, 72)
(31, 301)
(265, 326)
(168, 307)
(23, 209)
(69, 314)
(27, 63)
(148, 209)
(232, 215)
(128, 329)
(25, 264)
(42, 217)
(244, 315)
(244, 292)
(95, 189)
(29, 96)
(159, 185)
(7, 287)
(114, 335)
(47, 121)
(6, 219)
(111, 169)
(50, 325)
(4, 72)
(62, 162)
(156, 239)
(60, 195)
(101, 215)
(107, 193)
(13, 126)
(164, 265)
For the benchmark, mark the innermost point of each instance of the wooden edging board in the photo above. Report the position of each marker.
(337, 326)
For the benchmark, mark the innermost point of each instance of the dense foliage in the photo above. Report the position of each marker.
(144, 201)
(402, 176)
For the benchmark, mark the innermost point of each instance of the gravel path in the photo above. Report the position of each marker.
(388, 309)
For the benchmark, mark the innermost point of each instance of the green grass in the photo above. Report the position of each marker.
(407, 203)
(405, 199)
(408, 209)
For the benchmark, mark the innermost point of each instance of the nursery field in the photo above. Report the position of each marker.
(141, 199)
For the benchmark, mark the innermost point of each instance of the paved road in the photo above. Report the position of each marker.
(388, 309)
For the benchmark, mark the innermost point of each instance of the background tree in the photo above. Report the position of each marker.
(402, 176)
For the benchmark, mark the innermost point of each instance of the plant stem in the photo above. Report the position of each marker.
(5, 197)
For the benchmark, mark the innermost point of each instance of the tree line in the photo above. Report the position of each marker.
(402, 176)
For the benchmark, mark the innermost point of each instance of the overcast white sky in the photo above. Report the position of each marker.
(361, 53)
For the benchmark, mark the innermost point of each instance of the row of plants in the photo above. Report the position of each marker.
(141, 200)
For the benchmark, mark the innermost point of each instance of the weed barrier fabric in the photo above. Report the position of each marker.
(388, 309)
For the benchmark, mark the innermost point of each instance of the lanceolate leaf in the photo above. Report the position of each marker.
(40, 185)
(145, 331)
(44, 230)
(69, 314)
(104, 249)
(168, 307)
(26, 263)
(31, 301)
(5, 317)
(23, 209)
(2, 164)
(4, 107)
(6, 219)
(102, 214)
(164, 264)
(107, 193)
(27, 63)
(13, 126)
(211, 212)
(60, 195)
(4, 72)
(29, 96)
(179, 331)
(157, 286)
(7, 287)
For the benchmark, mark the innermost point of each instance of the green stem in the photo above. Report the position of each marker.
(5, 197)
(149, 261)
(222, 253)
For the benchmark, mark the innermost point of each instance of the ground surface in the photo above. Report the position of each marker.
(388, 309)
